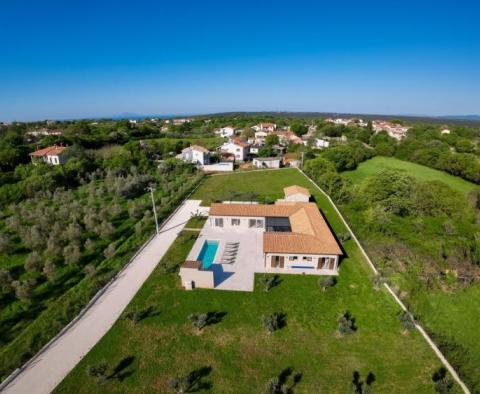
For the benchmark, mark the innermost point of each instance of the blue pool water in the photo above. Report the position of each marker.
(207, 254)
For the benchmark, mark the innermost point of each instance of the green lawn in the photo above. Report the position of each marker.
(379, 163)
(236, 355)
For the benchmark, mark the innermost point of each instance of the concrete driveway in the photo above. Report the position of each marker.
(48, 368)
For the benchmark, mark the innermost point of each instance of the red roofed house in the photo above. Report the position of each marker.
(238, 148)
(54, 155)
(240, 239)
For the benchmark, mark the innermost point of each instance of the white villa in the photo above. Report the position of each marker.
(268, 127)
(238, 148)
(321, 143)
(225, 131)
(53, 155)
(240, 239)
(260, 136)
(195, 154)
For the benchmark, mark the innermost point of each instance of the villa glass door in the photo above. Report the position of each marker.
(278, 261)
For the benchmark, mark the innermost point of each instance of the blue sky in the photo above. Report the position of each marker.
(83, 58)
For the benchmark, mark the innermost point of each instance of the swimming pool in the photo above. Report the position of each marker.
(207, 253)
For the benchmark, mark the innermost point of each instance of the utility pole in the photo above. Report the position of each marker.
(151, 189)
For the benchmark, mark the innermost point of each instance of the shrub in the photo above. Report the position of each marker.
(270, 281)
(132, 316)
(346, 324)
(406, 320)
(90, 270)
(5, 279)
(33, 262)
(378, 280)
(5, 243)
(109, 251)
(326, 282)
(443, 383)
(98, 371)
(273, 322)
(199, 320)
(344, 237)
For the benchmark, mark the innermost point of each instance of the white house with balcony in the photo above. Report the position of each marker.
(226, 131)
(195, 154)
(237, 148)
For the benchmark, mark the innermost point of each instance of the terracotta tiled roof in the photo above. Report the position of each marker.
(310, 232)
(51, 150)
(295, 189)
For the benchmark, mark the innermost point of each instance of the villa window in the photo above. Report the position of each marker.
(255, 223)
(293, 258)
(218, 222)
(235, 222)
(307, 258)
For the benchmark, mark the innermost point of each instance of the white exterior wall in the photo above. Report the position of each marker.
(226, 131)
(288, 264)
(259, 163)
(200, 279)
(299, 197)
(239, 151)
(244, 222)
(319, 143)
(223, 167)
(199, 157)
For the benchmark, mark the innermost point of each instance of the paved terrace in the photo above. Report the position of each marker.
(240, 275)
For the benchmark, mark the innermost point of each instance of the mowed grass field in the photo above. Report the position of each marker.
(449, 316)
(379, 163)
(236, 354)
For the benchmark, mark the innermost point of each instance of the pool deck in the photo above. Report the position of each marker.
(238, 276)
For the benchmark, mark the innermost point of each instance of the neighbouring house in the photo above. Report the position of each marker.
(240, 239)
(260, 137)
(44, 132)
(267, 162)
(321, 143)
(255, 148)
(286, 137)
(196, 154)
(177, 122)
(236, 147)
(445, 131)
(54, 155)
(393, 130)
(225, 131)
(291, 159)
(268, 127)
(347, 121)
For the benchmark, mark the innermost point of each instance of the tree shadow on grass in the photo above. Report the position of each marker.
(121, 370)
(285, 382)
(358, 386)
(215, 317)
(192, 382)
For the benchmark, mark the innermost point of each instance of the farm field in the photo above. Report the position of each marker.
(379, 163)
(235, 354)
